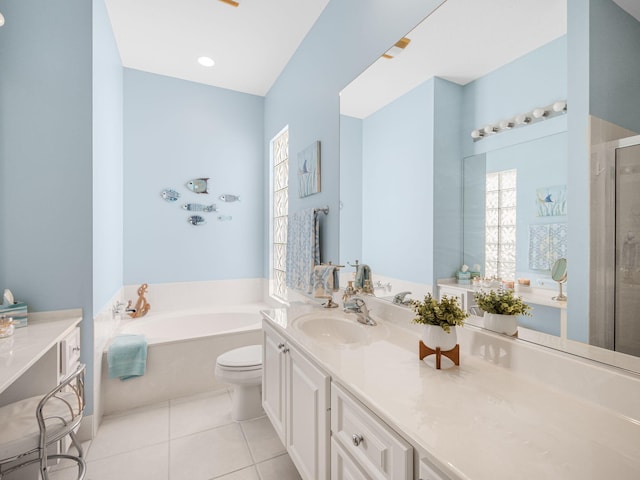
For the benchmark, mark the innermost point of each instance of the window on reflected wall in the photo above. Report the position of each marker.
(279, 209)
(500, 225)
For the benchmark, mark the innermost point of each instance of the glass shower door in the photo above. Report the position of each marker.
(627, 271)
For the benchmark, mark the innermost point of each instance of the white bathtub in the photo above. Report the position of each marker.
(181, 355)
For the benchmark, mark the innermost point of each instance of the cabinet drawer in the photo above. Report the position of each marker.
(342, 467)
(381, 452)
(70, 353)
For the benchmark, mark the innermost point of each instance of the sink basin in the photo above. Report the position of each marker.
(333, 329)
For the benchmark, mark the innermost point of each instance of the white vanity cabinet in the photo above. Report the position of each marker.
(295, 397)
(363, 446)
(464, 296)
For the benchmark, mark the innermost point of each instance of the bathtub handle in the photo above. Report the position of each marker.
(281, 346)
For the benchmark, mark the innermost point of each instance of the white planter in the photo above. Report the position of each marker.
(501, 323)
(434, 336)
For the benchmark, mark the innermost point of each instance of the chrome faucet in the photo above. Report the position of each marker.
(358, 306)
(399, 299)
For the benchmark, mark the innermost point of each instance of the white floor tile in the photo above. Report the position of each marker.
(148, 463)
(205, 455)
(123, 433)
(244, 474)
(279, 468)
(262, 439)
(199, 413)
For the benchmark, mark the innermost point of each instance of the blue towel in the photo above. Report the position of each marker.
(325, 281)
(303, 249)
(363, 273)
(127, 356)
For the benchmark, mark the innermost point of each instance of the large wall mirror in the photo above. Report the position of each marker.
(456, 149)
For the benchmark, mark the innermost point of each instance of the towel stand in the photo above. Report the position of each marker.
(324, 210)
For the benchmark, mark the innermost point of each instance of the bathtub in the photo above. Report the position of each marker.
(181, 355)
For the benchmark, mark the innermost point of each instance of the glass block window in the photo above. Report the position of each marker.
(500, 225)
(280, 208)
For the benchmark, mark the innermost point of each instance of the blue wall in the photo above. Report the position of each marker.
(350, 189)
(397, 178)
(348, 36)
(107, 161)
(176, 131)
(46, 157)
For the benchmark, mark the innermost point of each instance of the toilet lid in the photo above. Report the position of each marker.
(250, 356)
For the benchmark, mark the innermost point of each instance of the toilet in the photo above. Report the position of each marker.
(242, 368)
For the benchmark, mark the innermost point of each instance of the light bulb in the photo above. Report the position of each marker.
(506, 124)
(477, 134)
(1, 19)
(523, 119)
(206, 61)
(540, 112)
(490, 129)
(559, 106)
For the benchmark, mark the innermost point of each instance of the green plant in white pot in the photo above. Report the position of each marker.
(440, 319)
(502, 309)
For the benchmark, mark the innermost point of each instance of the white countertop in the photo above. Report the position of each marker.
(477, 421)
(28, 344)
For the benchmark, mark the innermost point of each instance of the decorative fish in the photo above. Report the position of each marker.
(224, 218)
(227, 197)
(196, 220)
(198, 185)
(170, 195)
(198, 207)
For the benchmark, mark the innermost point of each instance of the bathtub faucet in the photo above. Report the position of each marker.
(142, 306)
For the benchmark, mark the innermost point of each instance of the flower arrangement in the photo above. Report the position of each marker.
(501, 302)
(445, 313)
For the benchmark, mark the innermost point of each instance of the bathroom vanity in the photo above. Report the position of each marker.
(354, 401)
(36, 357)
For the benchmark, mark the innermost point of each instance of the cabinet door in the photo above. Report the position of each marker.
(273, 387)
(307, 420)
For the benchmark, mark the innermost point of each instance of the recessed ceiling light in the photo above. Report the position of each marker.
(206, 61)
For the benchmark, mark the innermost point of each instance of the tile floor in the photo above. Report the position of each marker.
(191, 438)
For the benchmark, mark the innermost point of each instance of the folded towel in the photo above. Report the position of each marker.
(363, 273)
(325, 281)
(303, 249)
(127, 356)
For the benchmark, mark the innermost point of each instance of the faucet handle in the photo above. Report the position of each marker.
(399, 299)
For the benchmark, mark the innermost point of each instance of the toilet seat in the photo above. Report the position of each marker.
(241, 359)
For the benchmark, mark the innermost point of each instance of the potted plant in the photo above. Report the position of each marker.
(440, 319)
(502, 309)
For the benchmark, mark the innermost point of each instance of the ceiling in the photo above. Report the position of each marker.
(461, 41)
(251, 44)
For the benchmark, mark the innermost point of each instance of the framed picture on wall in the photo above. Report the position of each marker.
(309, 170)
(551, 201)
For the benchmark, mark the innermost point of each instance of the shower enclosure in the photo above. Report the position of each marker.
(615, 257)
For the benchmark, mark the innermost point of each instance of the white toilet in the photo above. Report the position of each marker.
(242, 367)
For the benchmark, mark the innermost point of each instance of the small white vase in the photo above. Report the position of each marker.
(434, 336)
(501, 323)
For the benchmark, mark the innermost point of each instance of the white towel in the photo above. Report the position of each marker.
(303, 249)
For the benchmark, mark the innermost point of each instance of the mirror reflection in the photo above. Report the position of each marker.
(457, 155)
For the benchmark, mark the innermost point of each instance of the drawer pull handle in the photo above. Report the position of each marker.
(280, 346)
(357, 439)
(76, 349)
(285, 350)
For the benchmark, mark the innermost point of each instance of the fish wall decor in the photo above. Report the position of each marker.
(198, 185)
(227, 197)
(198, 207)
(170, 195)
(196, 220)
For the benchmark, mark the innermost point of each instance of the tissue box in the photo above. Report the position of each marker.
(17, 311)
(463, 277)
